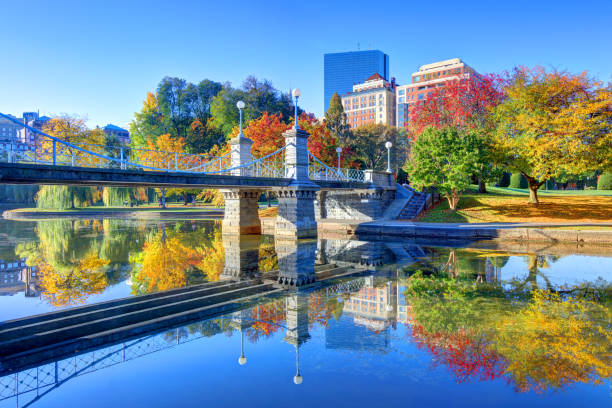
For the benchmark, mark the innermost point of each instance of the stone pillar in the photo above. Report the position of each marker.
(241, 256)
(296, 259)
(241, 154)
(296, 214)
(241, 212)
(379, 178)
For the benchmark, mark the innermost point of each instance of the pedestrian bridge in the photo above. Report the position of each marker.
(306, 188)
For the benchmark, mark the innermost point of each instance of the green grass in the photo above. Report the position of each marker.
(511, 205)
(524, 191)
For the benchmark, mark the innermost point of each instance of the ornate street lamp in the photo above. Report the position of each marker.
(388, 146)
(296, 94)
(338, 150)
(240, 106)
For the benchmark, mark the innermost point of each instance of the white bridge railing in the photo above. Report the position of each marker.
(38, 147)
(317, 170)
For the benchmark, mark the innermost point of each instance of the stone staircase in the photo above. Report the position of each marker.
(414, 206)
(403, 196)
(407, 205)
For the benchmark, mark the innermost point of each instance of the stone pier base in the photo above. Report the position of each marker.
(296, 214)
(241, 212)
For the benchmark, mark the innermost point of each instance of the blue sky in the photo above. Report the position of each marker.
(98, 59)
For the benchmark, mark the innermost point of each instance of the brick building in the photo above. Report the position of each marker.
(425, 81)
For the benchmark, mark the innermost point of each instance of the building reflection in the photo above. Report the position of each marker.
(16, 277)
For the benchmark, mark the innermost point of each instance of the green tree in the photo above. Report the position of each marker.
(368, 142)
(553, 123)
(335, 119)
(148, 123)
(446, 159)
(176, 97)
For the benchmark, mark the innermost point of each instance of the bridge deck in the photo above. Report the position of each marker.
(19, 173)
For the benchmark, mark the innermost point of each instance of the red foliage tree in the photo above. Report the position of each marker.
(463, 102)
(465, 357)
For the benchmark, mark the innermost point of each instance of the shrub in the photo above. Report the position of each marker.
(605, 182)
(517, 180)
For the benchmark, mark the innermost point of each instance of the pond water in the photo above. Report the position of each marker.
(417, 324)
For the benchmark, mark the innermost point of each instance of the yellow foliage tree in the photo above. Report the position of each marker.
(74, 286)
(554, 342)
(553, 124)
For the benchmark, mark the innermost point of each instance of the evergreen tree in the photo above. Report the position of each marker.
(335, 119)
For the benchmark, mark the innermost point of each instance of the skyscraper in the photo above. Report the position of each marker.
(342, 70)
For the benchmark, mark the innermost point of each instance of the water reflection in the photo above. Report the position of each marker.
(479, 315)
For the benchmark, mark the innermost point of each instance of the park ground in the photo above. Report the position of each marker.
(511, 205)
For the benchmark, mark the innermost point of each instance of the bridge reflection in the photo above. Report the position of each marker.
(294, 314)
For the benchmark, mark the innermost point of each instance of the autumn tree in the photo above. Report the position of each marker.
(446, 158)
(72, 130)
(554, 342)
(553, 123)
(462, 103)
(335, 119)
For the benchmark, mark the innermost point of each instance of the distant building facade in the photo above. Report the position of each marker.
(34, 120)
(372, 101)
(122, 134)
(9, 131)
(342, 70)
(425, 81)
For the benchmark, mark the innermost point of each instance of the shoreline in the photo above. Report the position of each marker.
(516, 232)
(578, 234)
(168, 213)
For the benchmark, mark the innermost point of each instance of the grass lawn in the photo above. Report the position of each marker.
(511, 205)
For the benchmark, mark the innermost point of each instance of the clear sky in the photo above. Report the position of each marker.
(98, 59)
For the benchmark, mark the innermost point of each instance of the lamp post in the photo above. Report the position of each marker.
(338, 150)
(388, 146)
(296, 94)
(240, 106)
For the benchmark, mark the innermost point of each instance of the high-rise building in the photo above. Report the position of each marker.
(424, 83)
(372, 101)
(342, 70)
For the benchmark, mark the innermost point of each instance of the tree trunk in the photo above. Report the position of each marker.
(453, 200)
(163, 198)
(534, 185)
(184, 198)
(482, 187)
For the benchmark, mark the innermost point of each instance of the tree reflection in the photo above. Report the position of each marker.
(535, 338)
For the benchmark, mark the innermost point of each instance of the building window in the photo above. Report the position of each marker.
(402, 92)
(416, 79)
(420, 96)
(402, 99)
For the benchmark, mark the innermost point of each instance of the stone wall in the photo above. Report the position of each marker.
(360, 204)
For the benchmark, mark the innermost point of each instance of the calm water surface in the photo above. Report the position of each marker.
(417, 325)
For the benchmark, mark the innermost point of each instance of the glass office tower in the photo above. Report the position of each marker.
(344, 69)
